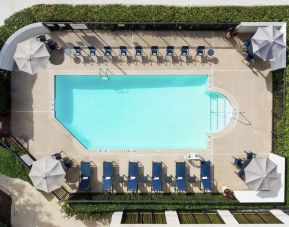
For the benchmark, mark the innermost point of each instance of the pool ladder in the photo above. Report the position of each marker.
(103, 74)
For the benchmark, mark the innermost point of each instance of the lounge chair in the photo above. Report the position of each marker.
(239, 162)
(92, 51)
(107, 51)
(181, 183)
(250, 155)
(123, 51)
(157, 176)
(170, 51)
(41, 38)
(107, 178)
(206, 175)
(200, 50)
(154, 50)
(138, 50)
(85, 173)
(132, 184)
(66, 162)
(77, 50)
(185, 51)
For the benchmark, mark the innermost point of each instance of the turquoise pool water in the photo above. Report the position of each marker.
(140, 112)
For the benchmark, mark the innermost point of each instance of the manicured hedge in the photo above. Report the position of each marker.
(121, 13)
(93, 205)
(148, 197)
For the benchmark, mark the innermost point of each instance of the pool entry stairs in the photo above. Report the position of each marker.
(220, 112)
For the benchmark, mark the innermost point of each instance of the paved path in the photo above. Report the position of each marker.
(33, 208)
(11, 6)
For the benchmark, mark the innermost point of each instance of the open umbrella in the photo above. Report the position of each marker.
(268, 42)
(261, 174)
(31, 56)
(47, 174)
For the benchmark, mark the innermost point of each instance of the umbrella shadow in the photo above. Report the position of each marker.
(57, 57)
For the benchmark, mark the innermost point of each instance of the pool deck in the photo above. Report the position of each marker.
(249, 89)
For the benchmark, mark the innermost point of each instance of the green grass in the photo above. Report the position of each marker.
(12, 167)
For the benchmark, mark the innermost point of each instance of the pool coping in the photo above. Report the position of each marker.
(80, 146)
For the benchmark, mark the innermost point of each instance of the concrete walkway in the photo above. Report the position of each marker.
(33, 208)
(11, 6)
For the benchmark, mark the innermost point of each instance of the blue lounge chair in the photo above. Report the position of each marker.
(200, 50)
(206, 176)
(123, 50)
(181, 183)
(107, 51)
(84, 184)
(92, 51)
(41, 38)
(239, 162)
(170, 50)
(138, 50)
(57, 156)
(184, 50)
(154, 50)
(250, 155)
(107, 176)
(77, 50)
(132, 184)
(66, 162)
(157, 176)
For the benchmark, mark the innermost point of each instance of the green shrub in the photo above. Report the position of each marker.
(122, 13)
(12, 167)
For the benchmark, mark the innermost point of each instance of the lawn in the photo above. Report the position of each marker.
(12, 167)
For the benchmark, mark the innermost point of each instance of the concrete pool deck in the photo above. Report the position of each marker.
(250, 88)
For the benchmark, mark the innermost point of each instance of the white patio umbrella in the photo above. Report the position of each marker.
(261, 174)
(31, 56)
(47, 174)
(268, 42)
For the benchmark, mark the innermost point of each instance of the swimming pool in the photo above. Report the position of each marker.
(140, 112)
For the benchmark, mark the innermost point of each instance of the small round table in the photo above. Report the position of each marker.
(211, 52)
(67, 51)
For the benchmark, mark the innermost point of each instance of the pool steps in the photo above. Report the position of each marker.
(221, 112)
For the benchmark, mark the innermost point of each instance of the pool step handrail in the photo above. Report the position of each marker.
(105, 75)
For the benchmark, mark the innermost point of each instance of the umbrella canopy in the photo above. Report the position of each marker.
(268, 42)
(31, 56)
(47, 174)
(261, 174)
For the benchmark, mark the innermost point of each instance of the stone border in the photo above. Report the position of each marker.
(80, 146)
